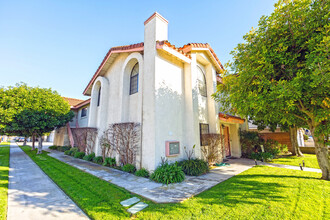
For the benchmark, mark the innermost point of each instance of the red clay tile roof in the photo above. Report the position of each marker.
(165, 42)
(119, 49)
(76, 103)
(230, 118)
(140, 47)
(81, 104)
(72, 101)
(188, 47)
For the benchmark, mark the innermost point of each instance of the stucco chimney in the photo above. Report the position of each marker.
(155, 29)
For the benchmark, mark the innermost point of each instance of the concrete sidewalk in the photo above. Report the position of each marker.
(158, 192)
(33, 195)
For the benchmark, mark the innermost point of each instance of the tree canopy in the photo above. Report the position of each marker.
(28, 111)
(281, 72)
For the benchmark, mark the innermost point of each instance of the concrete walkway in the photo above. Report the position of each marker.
(289, 167)
(158, 192)
(33, 195)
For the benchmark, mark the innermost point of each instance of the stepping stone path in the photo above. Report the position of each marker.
(138, 207)
(135, 208)
(129, 202)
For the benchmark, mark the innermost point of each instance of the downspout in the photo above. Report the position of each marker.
(70, 135)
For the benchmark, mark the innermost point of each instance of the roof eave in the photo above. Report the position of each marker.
(112, 51)
(218, 65)
(84, 103)
(174, 53)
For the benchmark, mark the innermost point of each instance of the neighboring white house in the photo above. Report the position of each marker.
(63, 136)
(164, 88)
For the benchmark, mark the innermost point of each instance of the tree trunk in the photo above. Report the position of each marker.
(33, 142)
(293, 137)
(40, 145)
(24, 143)
(322, 155)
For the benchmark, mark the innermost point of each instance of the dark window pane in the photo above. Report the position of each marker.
(134, 82)
(99, 97)
(83, 112)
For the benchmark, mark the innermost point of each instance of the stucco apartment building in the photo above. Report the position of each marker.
(164, 88)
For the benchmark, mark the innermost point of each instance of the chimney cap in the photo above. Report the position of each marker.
(155, 14)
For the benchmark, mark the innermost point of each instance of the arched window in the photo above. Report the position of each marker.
(202, 82)
(134, 82)
(99, 97)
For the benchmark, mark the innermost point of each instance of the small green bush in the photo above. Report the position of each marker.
(129, 168)
(194, 167)
(89, 157)
(64, 148)
(110, 162)
(98, 160)
(73, 150)
(79, 155)
(54, 147)
(67, 152)
(168, 173)
(265, 156)
(142, 172)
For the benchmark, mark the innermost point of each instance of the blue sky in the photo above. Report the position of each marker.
(61, 43)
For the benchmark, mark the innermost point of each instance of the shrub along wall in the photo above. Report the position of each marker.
(280, 137)
(251, 142)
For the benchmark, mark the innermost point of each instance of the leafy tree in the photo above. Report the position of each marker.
(28, 111)
(281, 72)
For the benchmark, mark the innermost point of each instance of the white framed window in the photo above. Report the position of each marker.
(83, 112)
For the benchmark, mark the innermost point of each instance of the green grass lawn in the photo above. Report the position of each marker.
(310, 160)
(4, 169)
(258, 193)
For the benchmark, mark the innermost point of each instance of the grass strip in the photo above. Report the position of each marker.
(258, 193)
(309, 159)
(97, 198)
(4, 171)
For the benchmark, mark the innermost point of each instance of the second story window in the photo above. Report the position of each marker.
(83, 112)
(99, 97)
(134, 81)
(202, 82)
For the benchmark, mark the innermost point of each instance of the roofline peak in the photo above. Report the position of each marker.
(155, 14)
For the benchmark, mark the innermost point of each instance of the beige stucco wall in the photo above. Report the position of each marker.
(61, 137)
